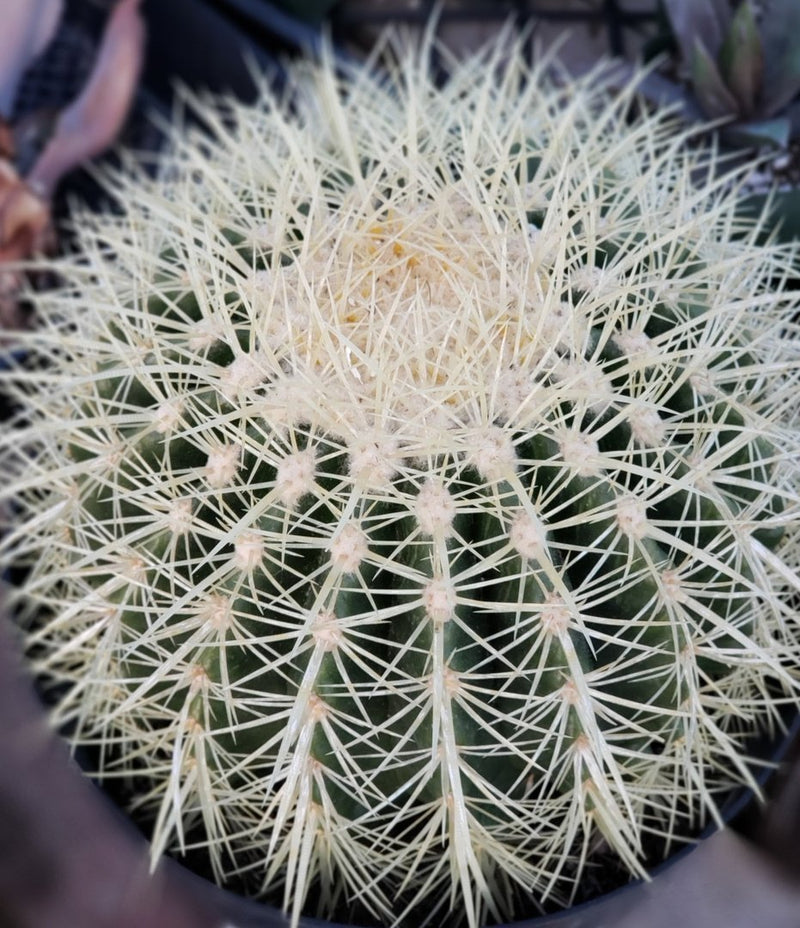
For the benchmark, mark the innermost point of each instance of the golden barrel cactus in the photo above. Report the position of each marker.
(407, 484)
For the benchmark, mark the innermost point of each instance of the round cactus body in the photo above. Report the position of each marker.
(410, 487)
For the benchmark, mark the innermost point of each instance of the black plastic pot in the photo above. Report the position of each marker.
(665, 900)
(41, 792)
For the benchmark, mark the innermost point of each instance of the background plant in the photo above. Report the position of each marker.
(741, 69)
(410, 488)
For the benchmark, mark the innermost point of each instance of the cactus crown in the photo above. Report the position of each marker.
(410, 491)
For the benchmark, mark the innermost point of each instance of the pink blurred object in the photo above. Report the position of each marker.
(28, 27)
(85, 128)
(91, 123)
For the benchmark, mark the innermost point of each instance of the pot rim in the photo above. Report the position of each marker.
(244, 912)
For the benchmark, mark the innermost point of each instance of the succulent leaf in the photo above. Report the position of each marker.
(780, 30)
(781, 212)
(692, 22)
(715, 97)
(741, 59)
(773, 133)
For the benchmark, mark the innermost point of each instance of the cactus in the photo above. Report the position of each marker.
(407, 478)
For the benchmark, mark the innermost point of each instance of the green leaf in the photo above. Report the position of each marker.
(715, 99)
(705, 21)
(741, 59)
(784, 213)
(772, 132)
(780, 30)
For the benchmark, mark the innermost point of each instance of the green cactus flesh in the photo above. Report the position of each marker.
(412, 550)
